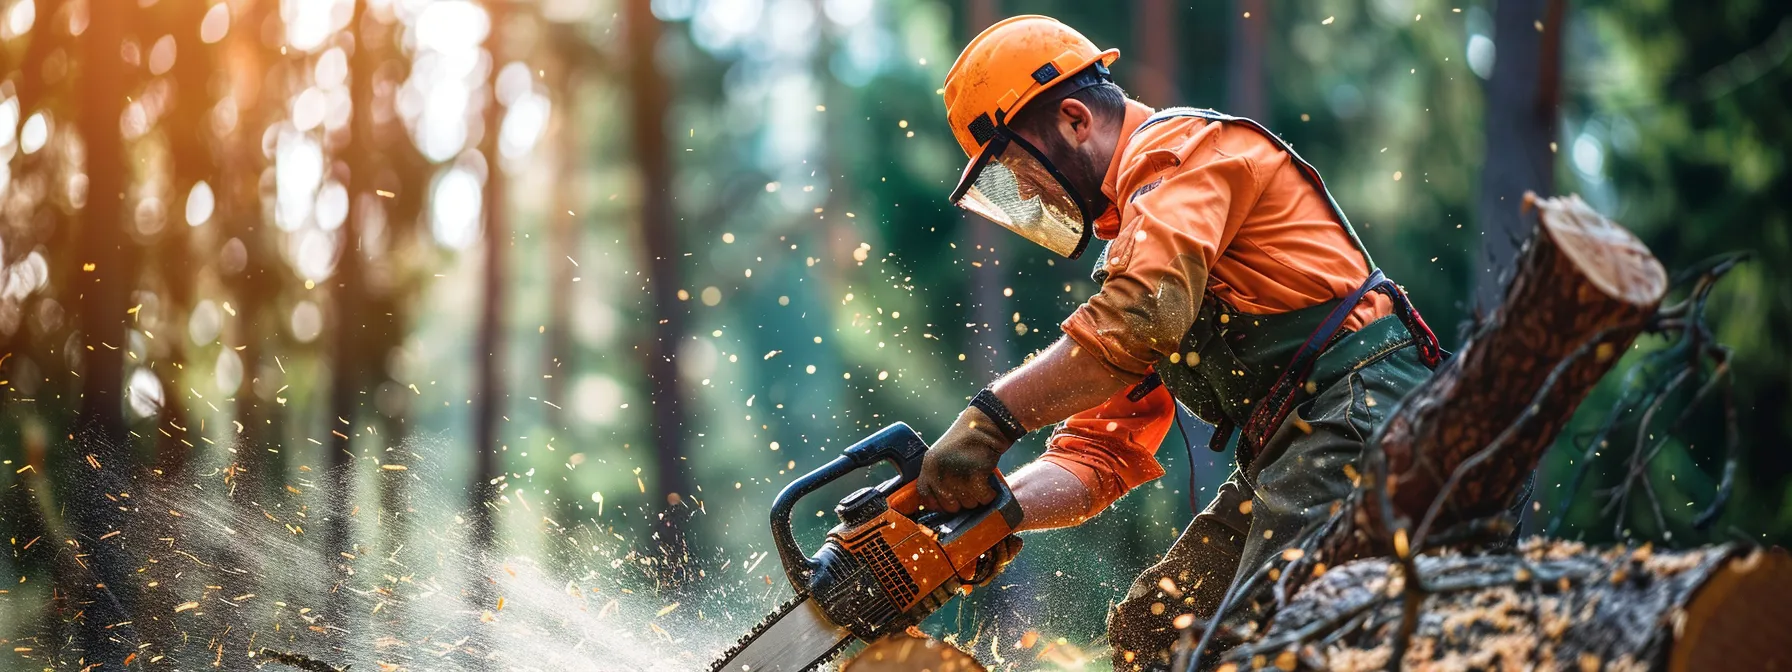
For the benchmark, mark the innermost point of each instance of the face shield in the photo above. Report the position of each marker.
(1012, 184)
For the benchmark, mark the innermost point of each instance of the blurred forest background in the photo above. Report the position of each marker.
(434, 334)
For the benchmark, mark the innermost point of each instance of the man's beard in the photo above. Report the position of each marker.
(1080, 170)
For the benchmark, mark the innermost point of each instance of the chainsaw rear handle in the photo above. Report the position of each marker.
(897, 444)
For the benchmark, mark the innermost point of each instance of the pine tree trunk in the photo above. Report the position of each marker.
(99, 462)
(991, 349)
(253, 468)
(563, 234)
(1522, 99)
(659, 234)
(1155, 74)
(1245, 95)
(488, 393)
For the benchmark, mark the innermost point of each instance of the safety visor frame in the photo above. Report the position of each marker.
(997, 146)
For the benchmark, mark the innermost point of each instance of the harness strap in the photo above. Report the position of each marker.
(1222, 432)
(1431, 352)
(1181, 420)
(1273, 409)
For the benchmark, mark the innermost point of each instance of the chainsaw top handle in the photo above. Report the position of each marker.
(897, 444)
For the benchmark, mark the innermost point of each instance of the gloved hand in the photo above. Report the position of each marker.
(955, 472)
(991, 563)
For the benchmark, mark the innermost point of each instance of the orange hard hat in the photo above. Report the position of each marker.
(1009, 181)
(1006, 66)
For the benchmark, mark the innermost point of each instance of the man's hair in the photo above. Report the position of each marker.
(1106, 99)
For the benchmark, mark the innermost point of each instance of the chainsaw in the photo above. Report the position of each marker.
(871, 575)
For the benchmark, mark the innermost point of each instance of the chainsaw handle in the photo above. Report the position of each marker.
(897, 444)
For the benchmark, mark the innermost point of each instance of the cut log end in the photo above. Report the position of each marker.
(1614, 261)
(907, 652)
(1741, 619)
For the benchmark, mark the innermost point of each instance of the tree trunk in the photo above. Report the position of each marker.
(32, 88)
(192, 160)
(991, 353)
(251, 288)
(489, 385)
(1553, 605)
(990, 350)
(1245, 96)
(1155, 75)
(658, 227)
(563, 234)
(349, 378)
(254, 472)
(99, 464)
(1583, 291)
(1522, 99)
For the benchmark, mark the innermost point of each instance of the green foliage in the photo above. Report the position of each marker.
(1682, 111)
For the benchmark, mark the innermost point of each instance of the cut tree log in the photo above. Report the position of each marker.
(1552, 605)
(1462, 445)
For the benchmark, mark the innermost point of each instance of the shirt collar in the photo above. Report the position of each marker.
(1108, 224)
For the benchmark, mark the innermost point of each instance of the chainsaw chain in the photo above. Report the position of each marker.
(765, 624)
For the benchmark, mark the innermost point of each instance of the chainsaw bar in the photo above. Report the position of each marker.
(816, 639)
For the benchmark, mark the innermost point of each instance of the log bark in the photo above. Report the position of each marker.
(1462, 445)
(1553, 605)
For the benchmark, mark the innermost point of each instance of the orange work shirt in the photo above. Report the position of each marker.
(1198, 206)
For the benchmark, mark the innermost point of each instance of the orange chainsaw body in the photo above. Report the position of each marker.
(887, 554)
(909, 558)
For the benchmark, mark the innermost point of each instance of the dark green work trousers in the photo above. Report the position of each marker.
(1262, 508)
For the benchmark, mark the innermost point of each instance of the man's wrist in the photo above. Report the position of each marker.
(997, 412)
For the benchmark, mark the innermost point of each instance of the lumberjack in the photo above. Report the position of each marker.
(1231, 285)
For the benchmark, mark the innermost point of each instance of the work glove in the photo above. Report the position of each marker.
(991, 563)
(955, 472)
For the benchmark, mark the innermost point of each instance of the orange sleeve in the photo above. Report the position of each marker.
(1173, 228)
(1112, 448)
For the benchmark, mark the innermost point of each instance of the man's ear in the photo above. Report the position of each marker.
(1076, 121)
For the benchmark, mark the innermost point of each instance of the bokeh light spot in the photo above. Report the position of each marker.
(216, 23)
(307, 322)
(454, 213)
(200, 204)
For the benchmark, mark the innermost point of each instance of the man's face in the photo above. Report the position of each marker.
(1042, 178)
(1070, 143)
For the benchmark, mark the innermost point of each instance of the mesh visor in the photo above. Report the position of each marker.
(1012, 185)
